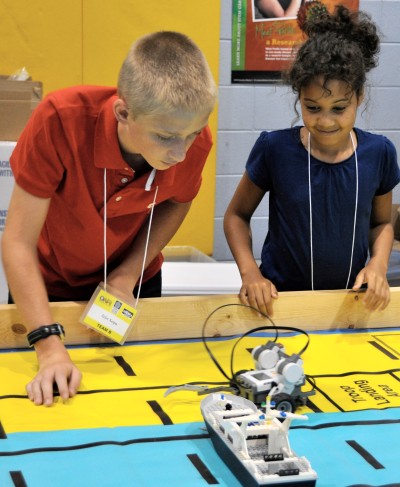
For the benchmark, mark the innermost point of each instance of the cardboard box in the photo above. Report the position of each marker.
(396, 226)
(17, 101)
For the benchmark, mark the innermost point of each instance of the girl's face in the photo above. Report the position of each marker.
(329, 116)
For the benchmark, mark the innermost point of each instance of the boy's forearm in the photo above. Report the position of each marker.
(26, 284)
(167, 218)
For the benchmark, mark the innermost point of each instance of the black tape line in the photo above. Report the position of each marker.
(124, 365)
(166, 420)
(3, 435)
(18, 479)
(336, 424)
(369, 485)
(365, 454)
(96, 444)
(383, 350)
(202, 469)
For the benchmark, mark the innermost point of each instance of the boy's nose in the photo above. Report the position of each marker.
(178, 152)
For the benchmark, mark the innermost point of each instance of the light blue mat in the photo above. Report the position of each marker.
(346, 449)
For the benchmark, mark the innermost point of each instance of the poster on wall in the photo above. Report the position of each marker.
(265, 34)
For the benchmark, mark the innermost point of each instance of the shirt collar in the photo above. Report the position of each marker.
(107, 152)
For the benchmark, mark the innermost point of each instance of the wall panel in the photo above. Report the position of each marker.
(45, 37)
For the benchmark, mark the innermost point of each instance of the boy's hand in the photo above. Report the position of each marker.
(258, 292)
(55, 369)
(122, 284)
(377, 295)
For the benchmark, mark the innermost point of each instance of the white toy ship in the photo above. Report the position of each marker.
(254, 444)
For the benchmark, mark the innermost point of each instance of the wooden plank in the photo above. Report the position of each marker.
(184, 317)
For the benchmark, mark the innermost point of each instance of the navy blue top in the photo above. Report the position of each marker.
(278, 163)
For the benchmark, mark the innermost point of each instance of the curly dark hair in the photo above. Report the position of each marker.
(343, 46)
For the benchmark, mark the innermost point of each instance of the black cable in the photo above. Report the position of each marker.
(274, 327)
(247, 333)
(231, 381)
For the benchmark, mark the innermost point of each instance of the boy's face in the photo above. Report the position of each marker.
(162, 140)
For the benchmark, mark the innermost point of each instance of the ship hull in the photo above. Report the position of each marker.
(241, 472)
(254, 444)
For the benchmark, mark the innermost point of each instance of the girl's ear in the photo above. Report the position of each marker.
(120, 111)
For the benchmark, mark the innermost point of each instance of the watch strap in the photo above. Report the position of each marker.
(44, 332)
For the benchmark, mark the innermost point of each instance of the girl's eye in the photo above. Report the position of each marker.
(312, 108)
(339, 109)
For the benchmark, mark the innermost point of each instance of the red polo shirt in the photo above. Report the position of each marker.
(69, 140)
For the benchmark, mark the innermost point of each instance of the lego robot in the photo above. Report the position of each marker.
(277, 375)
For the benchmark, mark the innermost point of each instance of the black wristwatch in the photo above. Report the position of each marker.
(44, 332)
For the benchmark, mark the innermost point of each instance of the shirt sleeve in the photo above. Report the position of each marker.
(257, 163)
(36, 160)
(390, 173)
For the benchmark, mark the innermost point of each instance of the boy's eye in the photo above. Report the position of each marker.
(171, 138)
(165, 138)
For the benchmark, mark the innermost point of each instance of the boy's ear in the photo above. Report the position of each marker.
(120, 110)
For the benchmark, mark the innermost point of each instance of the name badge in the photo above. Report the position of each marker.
(109, 315)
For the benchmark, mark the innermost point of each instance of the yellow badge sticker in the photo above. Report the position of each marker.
(109, 315)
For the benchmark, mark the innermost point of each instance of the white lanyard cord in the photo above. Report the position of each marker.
(310, 203)
(146, 246)
(311, 221)
(355, 212)
(105, 229)
(147, 238)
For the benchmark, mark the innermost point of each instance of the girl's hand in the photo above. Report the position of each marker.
(258, 292)
(377, 295)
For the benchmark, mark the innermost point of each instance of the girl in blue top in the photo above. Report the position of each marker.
(330, 184)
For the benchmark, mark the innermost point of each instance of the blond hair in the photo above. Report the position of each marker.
(166, 71)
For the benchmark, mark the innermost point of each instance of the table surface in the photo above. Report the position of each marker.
(120, 429)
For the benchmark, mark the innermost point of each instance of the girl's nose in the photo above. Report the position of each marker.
(324, 120)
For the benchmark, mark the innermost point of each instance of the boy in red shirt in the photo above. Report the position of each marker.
(88, 148)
